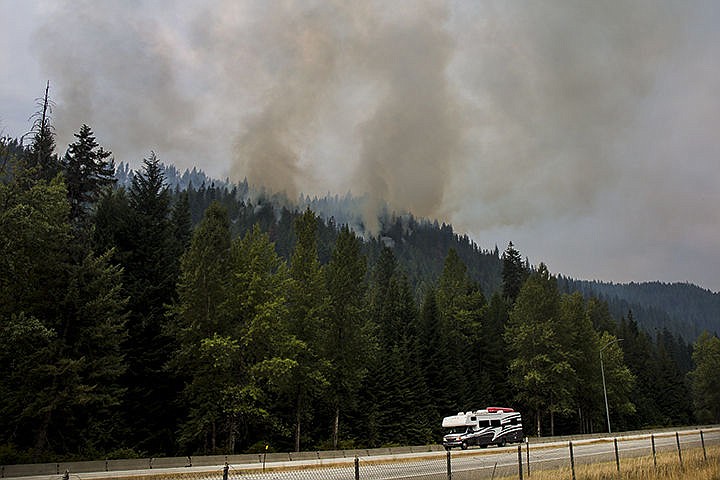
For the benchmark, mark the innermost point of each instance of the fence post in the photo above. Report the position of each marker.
(677, 439)
(527, 451)
(702, 441)
(357, 468)
(617, 455)
(572, 460)
(226, 470)
(652, 440)
(449, 468)
(520, 465)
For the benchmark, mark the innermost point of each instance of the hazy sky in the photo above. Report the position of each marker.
(585, 132)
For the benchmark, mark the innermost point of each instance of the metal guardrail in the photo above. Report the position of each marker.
(57, 468)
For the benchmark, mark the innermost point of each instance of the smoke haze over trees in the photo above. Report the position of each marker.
(140, 331)
(169, 313)
(509, 121)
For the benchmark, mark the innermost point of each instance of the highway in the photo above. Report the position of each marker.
(429, 465)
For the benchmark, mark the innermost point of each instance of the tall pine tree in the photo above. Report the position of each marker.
(88, 170)
(347, 335)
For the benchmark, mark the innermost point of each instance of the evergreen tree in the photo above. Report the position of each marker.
(88, 171)
(94, 330)
(147, 249)
(74, 319)
(308, 303)
(600, 317)
(705, 378)
(514, 273)
(41, 157)
(393, 314)
(639, 354)
(460, 304)
(674, 401)
(197, 320)
(495, 362)
(270, 356)
(34, 237)
(619, 380)
(540, 369)
(181, 220)
(347, 334)
(435, 359)
(28, 365)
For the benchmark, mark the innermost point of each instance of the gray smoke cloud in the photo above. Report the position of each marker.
(490, 115)
(414, 103)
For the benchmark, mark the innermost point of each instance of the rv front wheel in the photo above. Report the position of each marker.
(502, 443)
(463, 446)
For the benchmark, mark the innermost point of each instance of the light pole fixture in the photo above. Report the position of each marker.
(602, 371)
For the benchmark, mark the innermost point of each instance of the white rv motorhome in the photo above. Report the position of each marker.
(492, 425)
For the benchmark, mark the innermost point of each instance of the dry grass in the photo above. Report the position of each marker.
(694, 467)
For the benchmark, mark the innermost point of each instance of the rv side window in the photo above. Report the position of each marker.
(484, 423)
(495, 423)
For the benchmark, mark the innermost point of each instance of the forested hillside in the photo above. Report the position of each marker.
(682, 308)
(153, 320)
(421, 245)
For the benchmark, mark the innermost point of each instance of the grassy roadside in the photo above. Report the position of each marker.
(694, 466)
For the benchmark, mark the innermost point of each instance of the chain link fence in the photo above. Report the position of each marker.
(571, 460)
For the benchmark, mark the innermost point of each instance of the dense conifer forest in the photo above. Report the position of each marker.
(155, 313)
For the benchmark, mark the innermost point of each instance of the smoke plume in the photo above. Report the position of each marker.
(485, 114)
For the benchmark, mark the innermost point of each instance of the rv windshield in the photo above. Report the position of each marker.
(457, 430)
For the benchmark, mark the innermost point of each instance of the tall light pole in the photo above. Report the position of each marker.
(602, 371)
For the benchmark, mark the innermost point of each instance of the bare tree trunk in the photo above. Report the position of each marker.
(297, 422)
(231, 435)
(552, 423)
(213, 437)
(297, 431)
(336, 427)
(539, 434)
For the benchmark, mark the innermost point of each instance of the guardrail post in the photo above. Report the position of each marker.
(357, 468)
(520, 465)
(449, 467)
(702, 441)
(677, 439)
(617, 455)
(652, 440)
(572, 460)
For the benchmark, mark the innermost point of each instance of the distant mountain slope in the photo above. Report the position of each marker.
(683, 308)
(421, 246)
